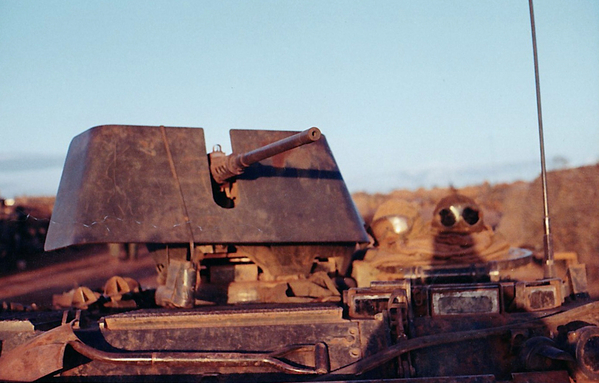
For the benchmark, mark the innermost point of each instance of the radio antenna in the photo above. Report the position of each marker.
(549, 266)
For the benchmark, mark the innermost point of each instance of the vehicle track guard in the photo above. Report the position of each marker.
(41, 356)
(44, 355)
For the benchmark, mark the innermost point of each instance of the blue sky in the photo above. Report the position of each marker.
(408, 93)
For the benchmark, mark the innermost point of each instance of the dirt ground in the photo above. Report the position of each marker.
(89, 266)
(514, 209)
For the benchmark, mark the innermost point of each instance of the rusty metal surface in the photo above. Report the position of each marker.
(232, 360)
(541, 377)
(444, 379)
(498, 353)
(236, 343)
(474, 299)
(586, 348)
(224, 316)
(524, 377)
(311, 339)
(539, 295)
(152, 185)
(37, 358)
(242, 329)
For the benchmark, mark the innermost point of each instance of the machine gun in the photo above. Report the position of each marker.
(224, 167)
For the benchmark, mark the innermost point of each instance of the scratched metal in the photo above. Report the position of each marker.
(152, 185)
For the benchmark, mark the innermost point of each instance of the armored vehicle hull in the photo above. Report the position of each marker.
(267, 274)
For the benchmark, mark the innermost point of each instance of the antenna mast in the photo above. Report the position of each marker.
(549, 266)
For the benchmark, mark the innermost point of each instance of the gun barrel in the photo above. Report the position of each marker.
(225, 167)
(306, 137)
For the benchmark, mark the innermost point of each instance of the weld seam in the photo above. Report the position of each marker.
(176, 177)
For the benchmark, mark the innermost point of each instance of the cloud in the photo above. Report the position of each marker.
(29, 174)
(23, 162)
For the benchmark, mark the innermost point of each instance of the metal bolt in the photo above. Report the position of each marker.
(355, 352)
